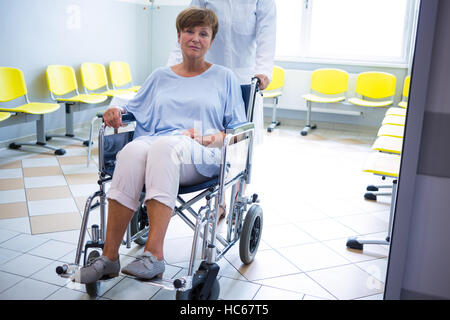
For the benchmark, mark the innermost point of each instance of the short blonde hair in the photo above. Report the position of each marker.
(195, 16)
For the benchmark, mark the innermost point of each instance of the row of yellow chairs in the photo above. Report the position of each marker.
(373, 89)
(63, 87)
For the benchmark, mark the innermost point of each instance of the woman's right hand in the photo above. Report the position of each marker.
(113, 117)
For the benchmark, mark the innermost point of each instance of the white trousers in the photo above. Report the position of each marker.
(162, 164)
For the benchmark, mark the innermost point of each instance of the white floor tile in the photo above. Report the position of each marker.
(300, 283)
(80, 190)
(269, 293)
(313, 256)
(79, 168)
(347, 282)
(6, 234)
(21, 225)
(278, 236)
(11, 173)
(47, 181)
(326, 229)
(64, 236)
(9, 196)
(40, 162)
(376, 268)
(231, 289)
(54, 206)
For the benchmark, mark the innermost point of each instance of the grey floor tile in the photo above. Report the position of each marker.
(29, 289)
(23, 242)
(131, 289)
(7, 255)
(7, 280)
(25, 265)
(53, 249)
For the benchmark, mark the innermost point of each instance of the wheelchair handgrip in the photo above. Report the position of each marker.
(128, 117)
(239, 127)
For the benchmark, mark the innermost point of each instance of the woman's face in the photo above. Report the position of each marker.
(195, 41)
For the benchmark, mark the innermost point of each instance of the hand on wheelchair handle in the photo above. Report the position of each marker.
(263, 81)
(113, 117)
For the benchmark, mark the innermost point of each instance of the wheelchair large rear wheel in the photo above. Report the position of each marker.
(92, 289)
(139, 222)
(251, 234)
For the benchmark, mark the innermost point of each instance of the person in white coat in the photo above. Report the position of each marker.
(245, 43)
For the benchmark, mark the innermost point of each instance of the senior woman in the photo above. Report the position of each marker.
(181, 114)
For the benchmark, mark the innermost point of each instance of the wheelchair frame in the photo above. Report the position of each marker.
(204, 221)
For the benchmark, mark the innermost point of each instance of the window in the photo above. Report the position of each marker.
(353, 30)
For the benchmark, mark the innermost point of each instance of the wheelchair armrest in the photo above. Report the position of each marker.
(239, 128)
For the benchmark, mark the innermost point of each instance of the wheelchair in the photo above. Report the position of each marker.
(244, 216)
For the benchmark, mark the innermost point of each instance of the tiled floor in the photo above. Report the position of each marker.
(311, 190)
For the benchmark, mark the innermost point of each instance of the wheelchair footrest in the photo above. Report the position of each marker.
(182, 284)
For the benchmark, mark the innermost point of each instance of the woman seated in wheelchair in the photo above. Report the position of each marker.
(181, 115)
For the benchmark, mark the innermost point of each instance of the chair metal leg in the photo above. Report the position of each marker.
(69, 127)
(358, 244)
(274, 122)
(308, 127)
(40, 139)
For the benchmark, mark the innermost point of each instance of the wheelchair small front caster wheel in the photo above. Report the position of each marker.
(304, 132)
(197, 285)
(251, 234)
(86, 143)
(93, 288)
(269, 129)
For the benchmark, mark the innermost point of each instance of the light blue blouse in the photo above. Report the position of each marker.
(168, 104)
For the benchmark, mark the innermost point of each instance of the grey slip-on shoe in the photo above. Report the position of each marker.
(99, 268)
(145, 266)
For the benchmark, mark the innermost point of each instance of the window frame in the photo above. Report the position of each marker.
(408, 37)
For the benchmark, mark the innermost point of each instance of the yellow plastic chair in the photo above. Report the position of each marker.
(375, 88)
(93, 76)
(402, 105)
(4, 116)
(390, 130)
(63, 87)
(273, 91)
(327, 86)
(394, 120)
(385, 165)
(120, 75)
(388, 144)
(406, 85)
(12, 87)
